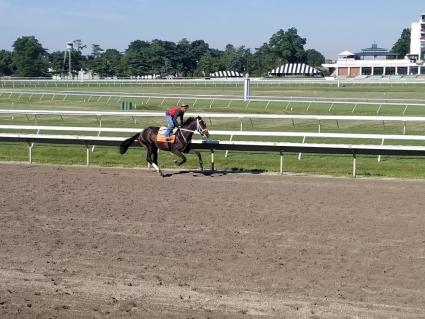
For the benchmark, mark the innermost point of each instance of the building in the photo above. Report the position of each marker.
(417, 42)
(375, 61)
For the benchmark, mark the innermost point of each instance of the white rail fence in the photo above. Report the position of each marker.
(285, 102)
(276, 147)
(409, 80)
(267, 98)
(381, 138)
(241, 117)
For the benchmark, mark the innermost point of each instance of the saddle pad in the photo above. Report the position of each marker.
(161, 138)
(162, 130)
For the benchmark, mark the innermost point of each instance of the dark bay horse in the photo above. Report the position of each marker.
(148, 138)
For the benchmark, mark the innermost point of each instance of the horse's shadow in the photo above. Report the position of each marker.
(215, 173)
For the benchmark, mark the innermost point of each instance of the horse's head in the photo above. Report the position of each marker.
(201, 127)
(197, 124)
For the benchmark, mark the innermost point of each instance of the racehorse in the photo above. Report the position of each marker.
(182, 143)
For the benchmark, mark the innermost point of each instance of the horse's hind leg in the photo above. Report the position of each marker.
(201, 163)
(148, 158)
(155, 155)
(152, 158)
(183, 158)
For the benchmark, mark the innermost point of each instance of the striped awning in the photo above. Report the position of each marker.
(148, 77)
(226, 74)
(294, 69)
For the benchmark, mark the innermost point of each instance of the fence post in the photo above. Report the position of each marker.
(354, 165)
(382, 143)
(88, 155)
(301, 154)
(247, 89)
(281, 163)
(227, 151)
(30, 146)
(212, 160)
(405, 109)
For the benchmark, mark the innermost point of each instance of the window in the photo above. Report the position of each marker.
(378, 71)
(366, 71)
(414, 70)
(402, 70)
(390, 71)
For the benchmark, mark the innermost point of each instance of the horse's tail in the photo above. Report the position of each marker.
(127, 143)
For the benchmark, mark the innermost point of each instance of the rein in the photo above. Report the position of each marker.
(198, 130)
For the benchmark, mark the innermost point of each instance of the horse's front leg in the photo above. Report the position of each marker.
(201, 163)
(183, 158)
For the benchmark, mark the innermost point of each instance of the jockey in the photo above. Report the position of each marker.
(172, 115)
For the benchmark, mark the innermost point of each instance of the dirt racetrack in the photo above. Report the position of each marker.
(120, 243)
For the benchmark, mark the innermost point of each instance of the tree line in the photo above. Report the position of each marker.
(182, 59)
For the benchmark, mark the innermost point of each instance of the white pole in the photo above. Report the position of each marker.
(70, 68)
(212, 160)
(30, 145)
(281, 163)
(88, 155)
(247, 89)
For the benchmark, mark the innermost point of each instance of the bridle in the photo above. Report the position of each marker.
(199, 130)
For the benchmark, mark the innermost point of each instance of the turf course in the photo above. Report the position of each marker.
(310, 164)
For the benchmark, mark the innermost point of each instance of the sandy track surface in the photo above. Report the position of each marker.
(118, 243)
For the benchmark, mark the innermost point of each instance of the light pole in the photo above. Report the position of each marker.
(69, 48)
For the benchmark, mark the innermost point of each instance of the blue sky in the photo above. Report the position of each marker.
(330, 26)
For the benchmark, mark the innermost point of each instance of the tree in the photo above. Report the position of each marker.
(206, 65)
(59, 64)
(287, 47)
(6, 60)
(96, 50)
(314, 58)
(186, 63)
(56, 60)
(234, 59)
(160, 55)
(134, 61)
(79, 46)
(263, 60)
(283, 47)
(402, 46)
(183, 58)
(29, 57)
(108, 64)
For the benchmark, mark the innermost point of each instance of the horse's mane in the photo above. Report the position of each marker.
(188, 120)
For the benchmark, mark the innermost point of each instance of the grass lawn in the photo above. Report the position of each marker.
(310, 164)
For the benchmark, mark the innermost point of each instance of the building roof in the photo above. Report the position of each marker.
(294, 68)
(226, 74)
(346, 53)
(374, 50)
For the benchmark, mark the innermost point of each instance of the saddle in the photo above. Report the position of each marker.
(161, 135)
